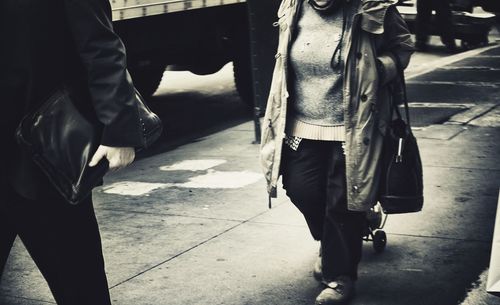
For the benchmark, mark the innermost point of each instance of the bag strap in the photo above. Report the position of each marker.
(401, 76)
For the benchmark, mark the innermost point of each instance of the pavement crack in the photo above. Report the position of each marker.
(189, 249)
(441, 237)
(463, 168)
(455, 83)
(278, 224)
(27, 299)
(170, 214)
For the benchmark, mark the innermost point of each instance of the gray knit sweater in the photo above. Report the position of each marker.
(316, 87)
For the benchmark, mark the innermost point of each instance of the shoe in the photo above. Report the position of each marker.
(338, 292)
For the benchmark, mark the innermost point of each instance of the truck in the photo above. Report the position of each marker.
(200, 36)
(471, 28)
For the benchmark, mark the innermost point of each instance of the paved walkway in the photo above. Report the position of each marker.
(191, 226)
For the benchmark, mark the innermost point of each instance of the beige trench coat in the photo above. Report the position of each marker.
(378, 34)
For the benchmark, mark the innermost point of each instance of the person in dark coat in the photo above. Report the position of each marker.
(443, 23)
(45, 44)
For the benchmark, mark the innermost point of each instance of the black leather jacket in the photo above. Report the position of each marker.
(46, 43)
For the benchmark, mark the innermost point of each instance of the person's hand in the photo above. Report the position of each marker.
(118, 157)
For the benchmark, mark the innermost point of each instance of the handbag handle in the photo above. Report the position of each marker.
(401, 76)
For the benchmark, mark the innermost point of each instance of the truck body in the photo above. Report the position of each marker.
(471, 28)
(129, 9)
(200, 36)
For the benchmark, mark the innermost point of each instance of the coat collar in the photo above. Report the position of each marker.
(373, 12)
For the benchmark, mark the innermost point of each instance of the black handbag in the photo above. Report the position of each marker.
(62, 139)
(401, 183)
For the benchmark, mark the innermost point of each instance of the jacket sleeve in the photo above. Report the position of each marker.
(103, 56)
(396, 41)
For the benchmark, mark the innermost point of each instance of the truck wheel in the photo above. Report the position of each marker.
(147, 79)
(242, 69)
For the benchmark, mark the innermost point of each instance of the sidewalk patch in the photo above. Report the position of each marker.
(489, 119)
(131, 188)
(455, 83)
(211, 180)
(417, 70)
(425, 114)
(193, 165)
(439, 132)
(222, 180)
(471, 114)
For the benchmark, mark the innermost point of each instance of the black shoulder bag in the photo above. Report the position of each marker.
(62, 140)
(401, 183)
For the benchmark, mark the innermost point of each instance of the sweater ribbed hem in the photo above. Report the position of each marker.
(316, 132)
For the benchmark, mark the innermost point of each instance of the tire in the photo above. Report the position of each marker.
(242, 70)
(147, 79)
(379, 241)
(474, 41)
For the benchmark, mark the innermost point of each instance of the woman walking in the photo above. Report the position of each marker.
(333, 82)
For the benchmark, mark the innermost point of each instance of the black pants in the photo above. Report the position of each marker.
(443, 20)
(63, 241)
(314, 177)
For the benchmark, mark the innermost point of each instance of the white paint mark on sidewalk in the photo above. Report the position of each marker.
(455, 83)
(211, 180)
(412, 270)
(441, 105)
(131, 188)
(222, 180)
(193, 165)
(469, 68)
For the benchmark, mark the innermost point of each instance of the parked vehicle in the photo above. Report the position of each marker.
(471, 28)
(200, 36)
(492, 6)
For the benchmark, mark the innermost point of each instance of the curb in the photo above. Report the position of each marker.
(471, 114)
(413, 72)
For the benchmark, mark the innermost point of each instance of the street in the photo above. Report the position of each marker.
(188, 223)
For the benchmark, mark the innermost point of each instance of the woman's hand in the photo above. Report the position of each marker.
(118, 157)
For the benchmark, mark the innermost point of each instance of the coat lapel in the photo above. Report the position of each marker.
(373, 12)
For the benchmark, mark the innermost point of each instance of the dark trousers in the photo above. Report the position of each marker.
(314, 178)
(64, 242)
(443, 20)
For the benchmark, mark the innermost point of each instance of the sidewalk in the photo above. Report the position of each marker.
(177, 231)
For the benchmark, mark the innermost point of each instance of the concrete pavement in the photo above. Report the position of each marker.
(191, 226)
